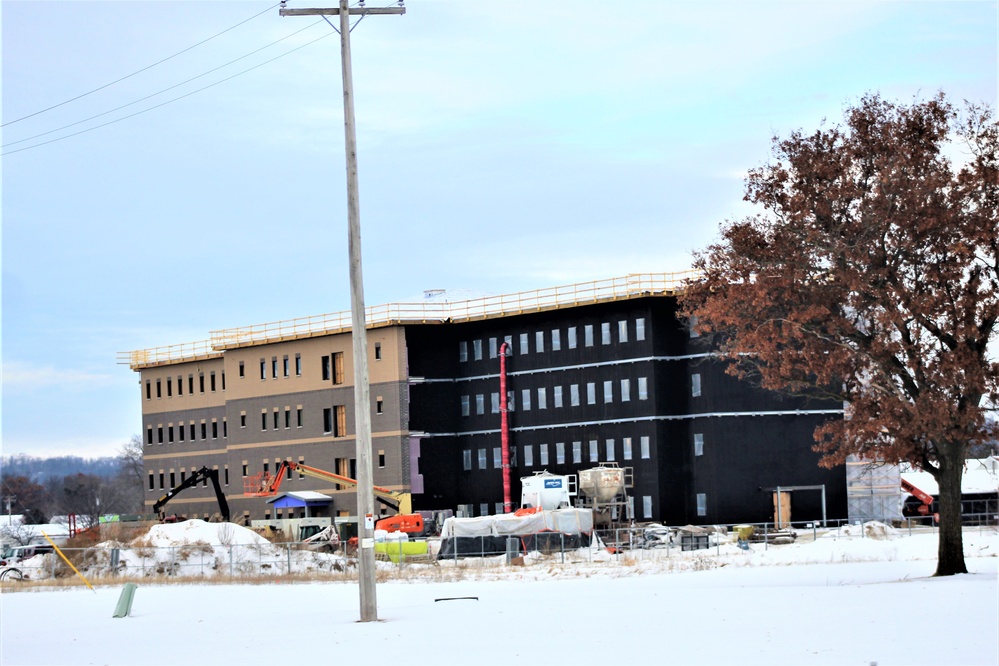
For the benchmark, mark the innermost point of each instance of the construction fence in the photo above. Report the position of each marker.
(678, 548)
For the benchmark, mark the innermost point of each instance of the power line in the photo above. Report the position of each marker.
(106, 85)
(142, 99)
(170, 101)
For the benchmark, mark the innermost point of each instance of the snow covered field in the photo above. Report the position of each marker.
(838, 600)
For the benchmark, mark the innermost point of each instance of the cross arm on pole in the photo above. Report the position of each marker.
(334, 11)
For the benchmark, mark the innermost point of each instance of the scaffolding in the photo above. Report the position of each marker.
(873, 490)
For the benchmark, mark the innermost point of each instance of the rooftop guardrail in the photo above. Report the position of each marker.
(538, 300)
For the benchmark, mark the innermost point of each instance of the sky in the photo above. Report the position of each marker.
(502, 147)
(836, 600)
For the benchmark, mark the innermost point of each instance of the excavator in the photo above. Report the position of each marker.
(265, 485)
(196, 477)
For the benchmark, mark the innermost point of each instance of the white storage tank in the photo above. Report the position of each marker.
(547, 490)
(602, 483)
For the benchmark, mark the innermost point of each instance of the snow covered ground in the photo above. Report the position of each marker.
(840, 599)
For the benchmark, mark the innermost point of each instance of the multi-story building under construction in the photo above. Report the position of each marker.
(596, 372)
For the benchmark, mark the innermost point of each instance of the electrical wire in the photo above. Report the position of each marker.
(106, 85)
(142, 99)
(170, 101)
(9, 152)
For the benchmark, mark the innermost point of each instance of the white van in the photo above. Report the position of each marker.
(13, 555)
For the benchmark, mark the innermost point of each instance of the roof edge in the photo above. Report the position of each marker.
(633, 285)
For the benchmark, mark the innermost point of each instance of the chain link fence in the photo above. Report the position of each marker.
(192, 560)
(684, 547)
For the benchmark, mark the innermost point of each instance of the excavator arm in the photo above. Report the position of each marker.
(191, 481)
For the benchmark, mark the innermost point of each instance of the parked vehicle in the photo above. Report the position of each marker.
(17, 554)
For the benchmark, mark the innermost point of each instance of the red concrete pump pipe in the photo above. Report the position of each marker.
(504, 430)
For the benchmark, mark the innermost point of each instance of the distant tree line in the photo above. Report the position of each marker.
(40, 488)
(40, 470)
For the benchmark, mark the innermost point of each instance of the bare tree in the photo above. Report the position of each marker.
(131, 473)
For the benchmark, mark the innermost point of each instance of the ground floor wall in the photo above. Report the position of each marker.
(736, 463)
(696, 470)
(686, 470)
(237, 465)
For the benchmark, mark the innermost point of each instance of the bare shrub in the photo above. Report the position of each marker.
(143, 547)
(226, 533)
(703, 563)
(185, 551)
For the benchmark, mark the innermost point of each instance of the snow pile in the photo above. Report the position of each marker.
(198, 548)
(198, 531)
(872, 529)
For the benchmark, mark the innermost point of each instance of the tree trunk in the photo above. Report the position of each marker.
(950, 550)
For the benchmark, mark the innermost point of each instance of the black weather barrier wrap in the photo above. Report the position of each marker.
(488, 546)
(553, 542)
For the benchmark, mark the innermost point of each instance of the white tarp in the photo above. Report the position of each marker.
(567, 521)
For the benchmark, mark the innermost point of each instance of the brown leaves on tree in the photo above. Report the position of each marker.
(870, 275)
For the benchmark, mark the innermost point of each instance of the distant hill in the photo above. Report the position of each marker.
(41, 469)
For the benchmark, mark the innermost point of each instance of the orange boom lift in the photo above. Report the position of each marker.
(266, 485)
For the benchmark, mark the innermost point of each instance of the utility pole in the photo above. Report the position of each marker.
(359, 334)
